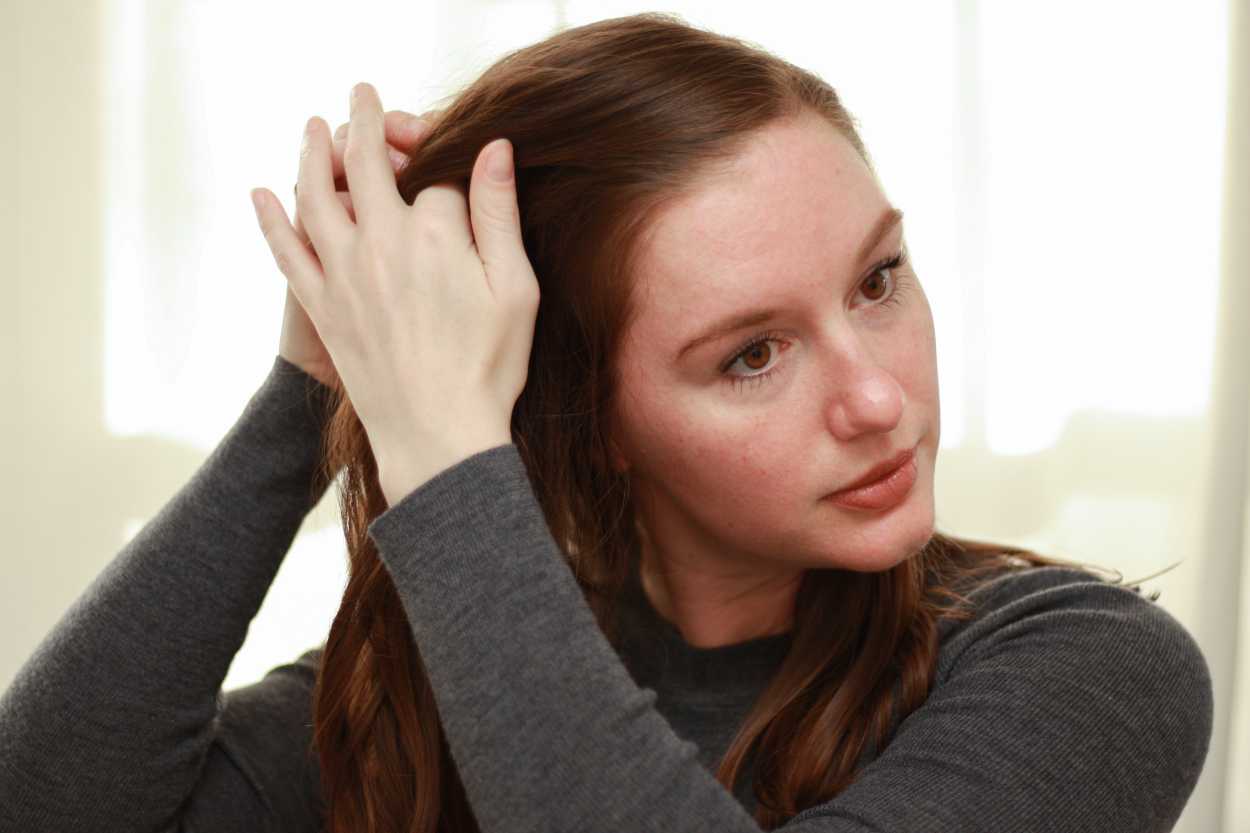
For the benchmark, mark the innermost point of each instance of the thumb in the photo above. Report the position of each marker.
(494, 213)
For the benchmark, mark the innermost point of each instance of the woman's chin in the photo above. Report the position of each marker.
(875, 543)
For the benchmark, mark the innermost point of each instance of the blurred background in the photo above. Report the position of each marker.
(1076, 179)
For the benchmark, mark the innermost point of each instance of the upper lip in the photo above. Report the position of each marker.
(887, 466)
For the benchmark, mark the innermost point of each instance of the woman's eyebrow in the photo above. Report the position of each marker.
(750, 318)
(885, 223)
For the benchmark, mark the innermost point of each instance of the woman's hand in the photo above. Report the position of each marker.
(427, 310)
(299, 343)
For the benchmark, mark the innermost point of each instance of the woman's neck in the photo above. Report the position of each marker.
(712, 608)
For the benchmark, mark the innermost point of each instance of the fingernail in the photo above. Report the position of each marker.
(397, 158)
(257, 201)
(499, 165)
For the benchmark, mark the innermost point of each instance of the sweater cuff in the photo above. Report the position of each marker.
(489, 490)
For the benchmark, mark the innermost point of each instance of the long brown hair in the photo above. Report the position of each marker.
(608, 121)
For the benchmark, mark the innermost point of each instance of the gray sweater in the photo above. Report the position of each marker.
(1068, 704)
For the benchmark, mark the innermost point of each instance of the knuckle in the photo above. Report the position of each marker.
(430, 230)
(304, 205)
(352, 153)
(271, 236)
(375, 242)
(283, 260)
(525, 295)
(502, 216)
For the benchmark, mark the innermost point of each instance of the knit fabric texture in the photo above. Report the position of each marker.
(1067, 704)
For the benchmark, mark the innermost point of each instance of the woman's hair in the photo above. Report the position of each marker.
(609, 121)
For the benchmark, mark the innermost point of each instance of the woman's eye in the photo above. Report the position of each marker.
(876, 280)
(874, 285)
(754, 357)
(756, 354)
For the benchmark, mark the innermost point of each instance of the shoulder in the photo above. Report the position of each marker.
(267, 725)
(1076, 604)
(284, 688)
(1084, 663)
(1065, 618)
(1066, 703)
(261, 770)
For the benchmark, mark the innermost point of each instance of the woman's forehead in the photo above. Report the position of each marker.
(797, 202)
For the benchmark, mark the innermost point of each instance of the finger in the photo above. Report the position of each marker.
(323, 215)
(447, 203)
(405, 131)
(302, 235)
(369, 175)
(291, 254)
(497, 220)
(397, 159)
(344, 198)
(402, 129)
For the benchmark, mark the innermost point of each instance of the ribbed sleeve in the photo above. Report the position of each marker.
(1073, 706)
(108, 724)
(1067, 704)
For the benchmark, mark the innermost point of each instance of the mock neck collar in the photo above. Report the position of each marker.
(662, 657)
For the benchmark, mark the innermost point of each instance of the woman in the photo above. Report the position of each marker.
(614, 565)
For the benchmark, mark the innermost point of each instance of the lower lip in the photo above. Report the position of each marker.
(886, 493)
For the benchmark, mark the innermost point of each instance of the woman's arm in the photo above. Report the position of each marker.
(1069, 704)
(1082, 707)
(261, 773)
(108, 724)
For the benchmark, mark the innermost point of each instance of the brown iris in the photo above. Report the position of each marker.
(875, 278)
(762, 347)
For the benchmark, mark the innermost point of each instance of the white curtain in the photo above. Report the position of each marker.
(1077, 193)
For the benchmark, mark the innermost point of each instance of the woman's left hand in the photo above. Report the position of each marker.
(427, 310)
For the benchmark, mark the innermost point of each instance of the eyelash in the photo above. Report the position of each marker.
(897, 284)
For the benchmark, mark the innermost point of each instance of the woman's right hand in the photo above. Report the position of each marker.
(299, 343)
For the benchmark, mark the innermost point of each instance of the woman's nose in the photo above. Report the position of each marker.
(872, 403)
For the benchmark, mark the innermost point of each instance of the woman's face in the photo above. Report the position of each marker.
(732, 454)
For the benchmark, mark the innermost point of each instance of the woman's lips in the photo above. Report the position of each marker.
(885, 493)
